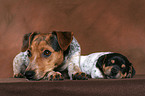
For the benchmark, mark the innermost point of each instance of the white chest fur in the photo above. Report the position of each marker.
(88, 64)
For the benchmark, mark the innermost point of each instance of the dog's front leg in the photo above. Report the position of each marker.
(73, 62)
(52, 75)
(74, 70)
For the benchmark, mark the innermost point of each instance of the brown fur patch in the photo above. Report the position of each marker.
(123, 66)
(107, 70)
(39, 63)
(120, 75)
(64, 39)
(113, 61)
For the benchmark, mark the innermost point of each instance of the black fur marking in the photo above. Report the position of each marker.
(25, 42)
(100, 63)
(32, 37)
(66, 52)
(54, 43)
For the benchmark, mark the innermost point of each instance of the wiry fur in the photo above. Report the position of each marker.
(40, 64)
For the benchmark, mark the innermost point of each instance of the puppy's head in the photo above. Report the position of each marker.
(45, 51)
(115, 66)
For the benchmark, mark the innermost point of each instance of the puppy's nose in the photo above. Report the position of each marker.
(114, 71)
(30, 75)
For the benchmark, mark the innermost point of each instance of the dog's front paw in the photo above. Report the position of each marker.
(79, 76)
(55, 76)
(19, 75)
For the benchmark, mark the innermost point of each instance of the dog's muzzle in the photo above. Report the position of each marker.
(31, 75)
(114, 72)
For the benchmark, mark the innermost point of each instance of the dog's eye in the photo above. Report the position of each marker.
(46, 53)
(29, 53)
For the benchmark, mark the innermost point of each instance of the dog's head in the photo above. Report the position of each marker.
(115, 66)
(45, 51)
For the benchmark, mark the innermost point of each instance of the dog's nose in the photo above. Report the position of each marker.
(114, 71)
(30, 75)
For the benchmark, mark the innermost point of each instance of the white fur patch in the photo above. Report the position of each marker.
(88, 64)
(20, 62)
(72, 60)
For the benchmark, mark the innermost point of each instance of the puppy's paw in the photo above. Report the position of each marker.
(79, 76)
(53, 76)
(19, 75)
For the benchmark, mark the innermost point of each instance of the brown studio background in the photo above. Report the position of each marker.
(98, 25)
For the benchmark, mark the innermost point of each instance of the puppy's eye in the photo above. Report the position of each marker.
(29, 53)
(46, 53)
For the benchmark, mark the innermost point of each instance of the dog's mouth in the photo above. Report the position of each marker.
(118, 75)
(114, 77)
(31, 75)
(110, 77)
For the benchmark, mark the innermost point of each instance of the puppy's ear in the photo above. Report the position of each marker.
(101, 61)
(64, 39)
(27, 39)
(131, 72)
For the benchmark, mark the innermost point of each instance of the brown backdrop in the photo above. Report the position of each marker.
(99, 25)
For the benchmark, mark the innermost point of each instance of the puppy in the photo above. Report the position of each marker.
(47, 56)
(107, 65)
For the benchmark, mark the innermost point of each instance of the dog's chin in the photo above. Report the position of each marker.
(34, 78)
(117, 76)
(113, 77)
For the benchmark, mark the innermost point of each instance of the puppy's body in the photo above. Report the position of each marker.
(107, 65)
(88, 64)
(48, 55)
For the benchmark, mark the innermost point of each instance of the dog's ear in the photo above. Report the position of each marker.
(27, 39)
(101, 61)
(64, 39)
(131, 72)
